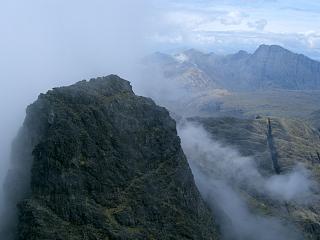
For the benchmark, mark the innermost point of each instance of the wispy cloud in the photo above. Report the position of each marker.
(234, 18)
(209, 24)
(258, 25)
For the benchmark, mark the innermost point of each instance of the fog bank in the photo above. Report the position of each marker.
(46, 44)
(221, 175)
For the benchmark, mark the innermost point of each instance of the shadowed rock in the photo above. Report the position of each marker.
(107, 164)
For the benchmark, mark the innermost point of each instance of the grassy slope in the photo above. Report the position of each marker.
(296, 142)
(288, 104)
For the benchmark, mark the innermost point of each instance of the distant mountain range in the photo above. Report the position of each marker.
(269, 67)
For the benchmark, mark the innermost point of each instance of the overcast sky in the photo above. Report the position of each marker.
(51, 43)
(230, 25)
(47, 43)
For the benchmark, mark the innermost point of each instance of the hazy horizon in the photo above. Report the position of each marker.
(53, 43)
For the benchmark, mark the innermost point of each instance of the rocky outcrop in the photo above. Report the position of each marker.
(107, 164)
(272, 149)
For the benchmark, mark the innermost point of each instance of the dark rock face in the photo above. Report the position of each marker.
(273, 149)
(107, 164)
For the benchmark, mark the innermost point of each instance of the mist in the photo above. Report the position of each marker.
(223, 175)
(46, 44)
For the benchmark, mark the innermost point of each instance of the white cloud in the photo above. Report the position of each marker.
(313, 39)
(205, 39)
(227, 26)
(163, 38)
(258, 25)
(187, 20)
(233, 18)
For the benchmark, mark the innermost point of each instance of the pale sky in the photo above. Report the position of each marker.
(49, 43)
(230, 25)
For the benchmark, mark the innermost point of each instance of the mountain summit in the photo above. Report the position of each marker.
(269, 67)
(105, 164)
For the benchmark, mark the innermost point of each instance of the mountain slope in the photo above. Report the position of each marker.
(107, 164)
(274, 103)
(269, 67)
(276, 67)
(314, 118)
(296, 143)
(180, 71)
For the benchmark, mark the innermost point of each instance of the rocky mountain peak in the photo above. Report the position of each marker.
(106, 86)
(269, 67)
(193, 52)
(104, 164)
(271, 50)
(239, 55)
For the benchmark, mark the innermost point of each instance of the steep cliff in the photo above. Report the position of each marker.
(106, 164)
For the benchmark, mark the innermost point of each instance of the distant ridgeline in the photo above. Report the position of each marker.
(269, 67)
(272, 81)
(105, 164)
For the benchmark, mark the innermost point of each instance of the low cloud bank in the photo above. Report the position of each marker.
(223, 176)
(46, 44)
